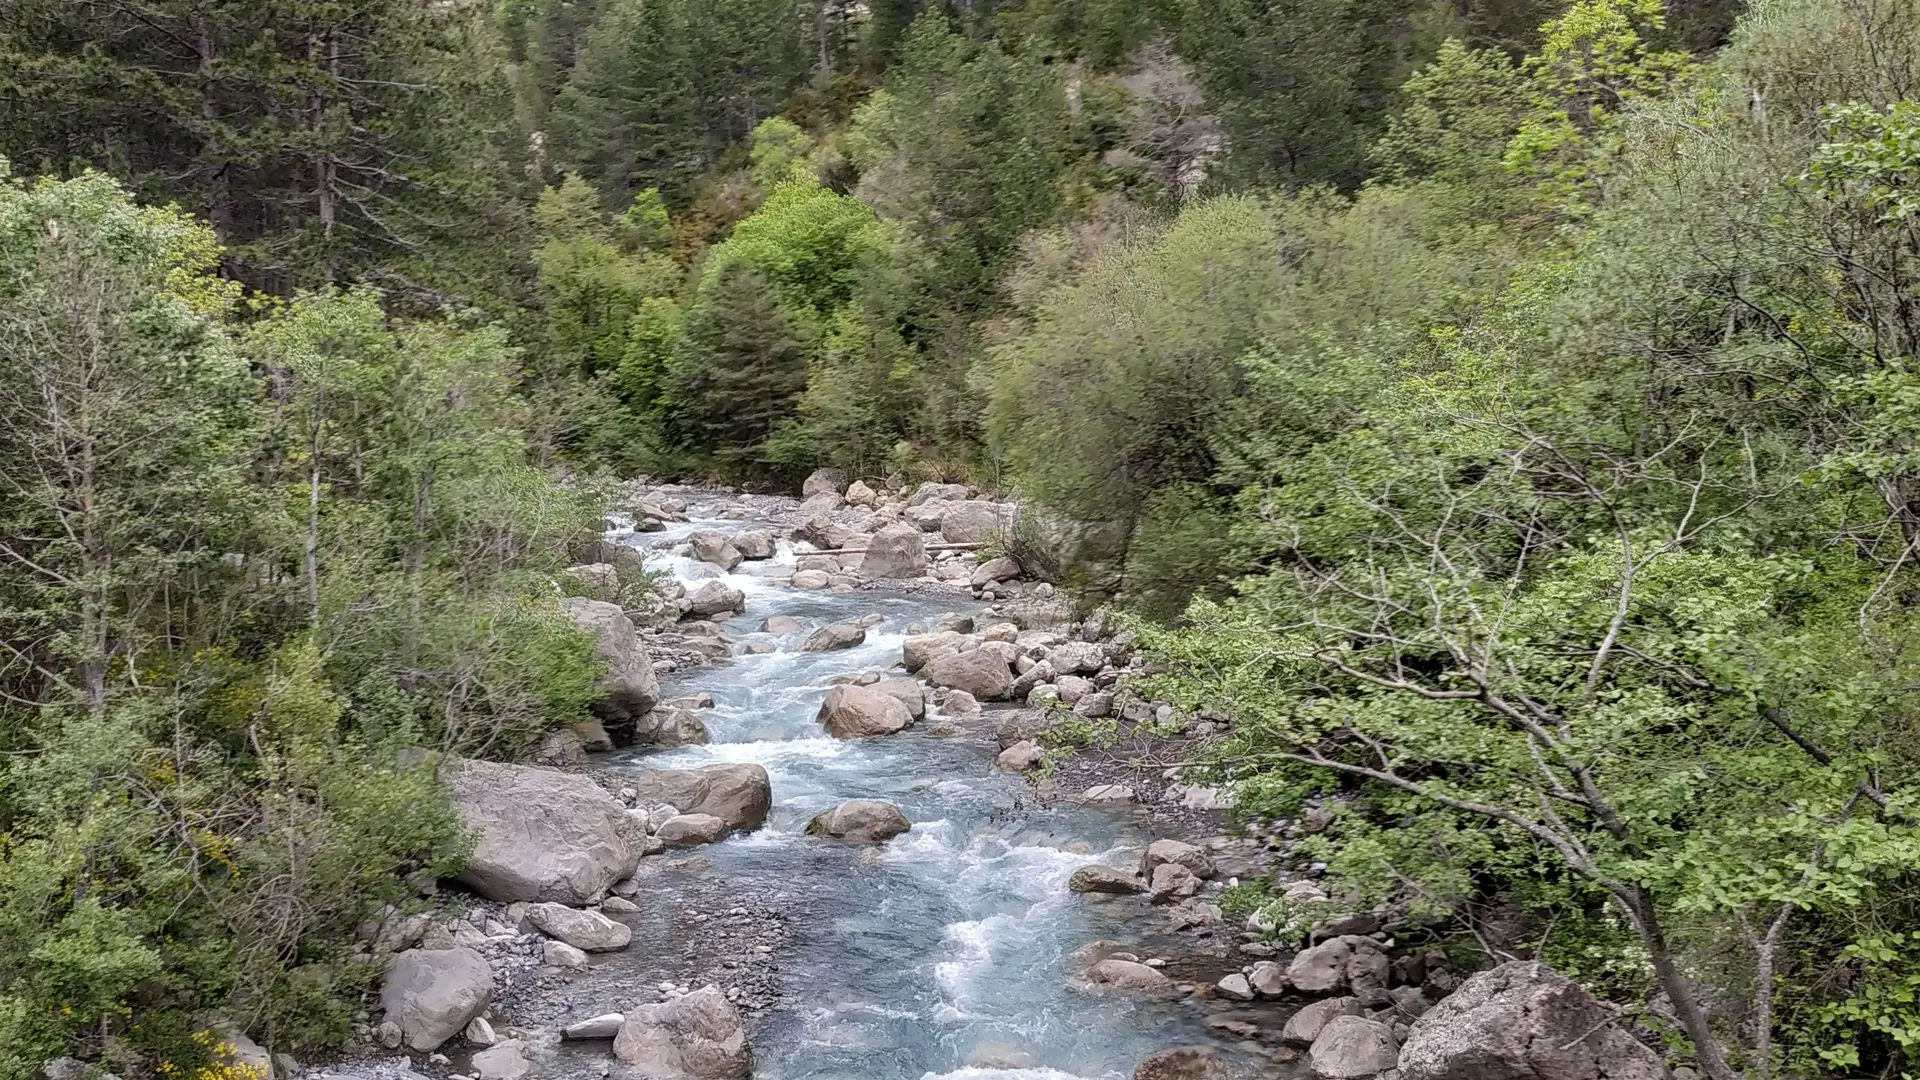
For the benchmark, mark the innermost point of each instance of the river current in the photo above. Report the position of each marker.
(946, 953)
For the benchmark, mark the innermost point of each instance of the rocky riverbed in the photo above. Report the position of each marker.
(824, 826)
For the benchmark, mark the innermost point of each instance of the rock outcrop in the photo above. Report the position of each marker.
(430, 995)
(1522, 1021)
(544, 835)
(697, 1036)
(861, 821)
(859, 712)
(736, 793)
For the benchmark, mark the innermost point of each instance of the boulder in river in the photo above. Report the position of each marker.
(811, 579)
(736, 793)
(604, 1026)
(908, 691)
(1304, 1026)
(1127, 975)
(1020, 757)
(920, 649)
(432, 994)
(894, 552)
(862, 821)
(1183, 1063)
(674, 726)
(686, 830)
(832, 637)
(629, 688)
(1519, 1021)
(858, 712)
(1175, 851)
(979, 672)
(697, 1036)
(781, 624)
(714, 547)
(754, 543)
(543, 834)
(714, 598)
(1100, 878)
(588, 931)
(1355, 1048)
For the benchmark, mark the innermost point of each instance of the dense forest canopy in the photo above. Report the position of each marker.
(1505, 410)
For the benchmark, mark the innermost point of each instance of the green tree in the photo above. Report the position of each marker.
(746, 366)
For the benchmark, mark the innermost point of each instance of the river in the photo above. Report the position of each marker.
(945, 954)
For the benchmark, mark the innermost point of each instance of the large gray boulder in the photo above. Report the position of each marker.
(754, 543)
(588, 931)
(674, 726)
(1523, 1021)
(918, 649)
(1127, 975)
(823, 481)
(543, 834)
(993, 571)
(1077, 658)
(908, 691)
(1348, 961)
(974, 522)
(629, 688)
(834, 636)
(714, 598)
(860, 821)
(1305, 1026)
(896, 551)
(713, 547)
(1355, 1048)
(932, 492)
(1175, 851)
(686, 830)
(698, 1036)
(979, 672)
(859, 712)
(736, 793)
(431, 994)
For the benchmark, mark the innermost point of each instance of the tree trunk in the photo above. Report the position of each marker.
(1693, 1019)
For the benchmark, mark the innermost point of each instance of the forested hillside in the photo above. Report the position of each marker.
(1505, 410)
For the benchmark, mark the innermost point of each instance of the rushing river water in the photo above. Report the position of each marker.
(948, 945)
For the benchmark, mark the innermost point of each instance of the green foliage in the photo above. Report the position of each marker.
(229, 616)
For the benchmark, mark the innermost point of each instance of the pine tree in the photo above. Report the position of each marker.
(747, 367)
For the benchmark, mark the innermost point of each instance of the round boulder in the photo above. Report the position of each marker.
(861, 821)
(432, 994)
(858, 712)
